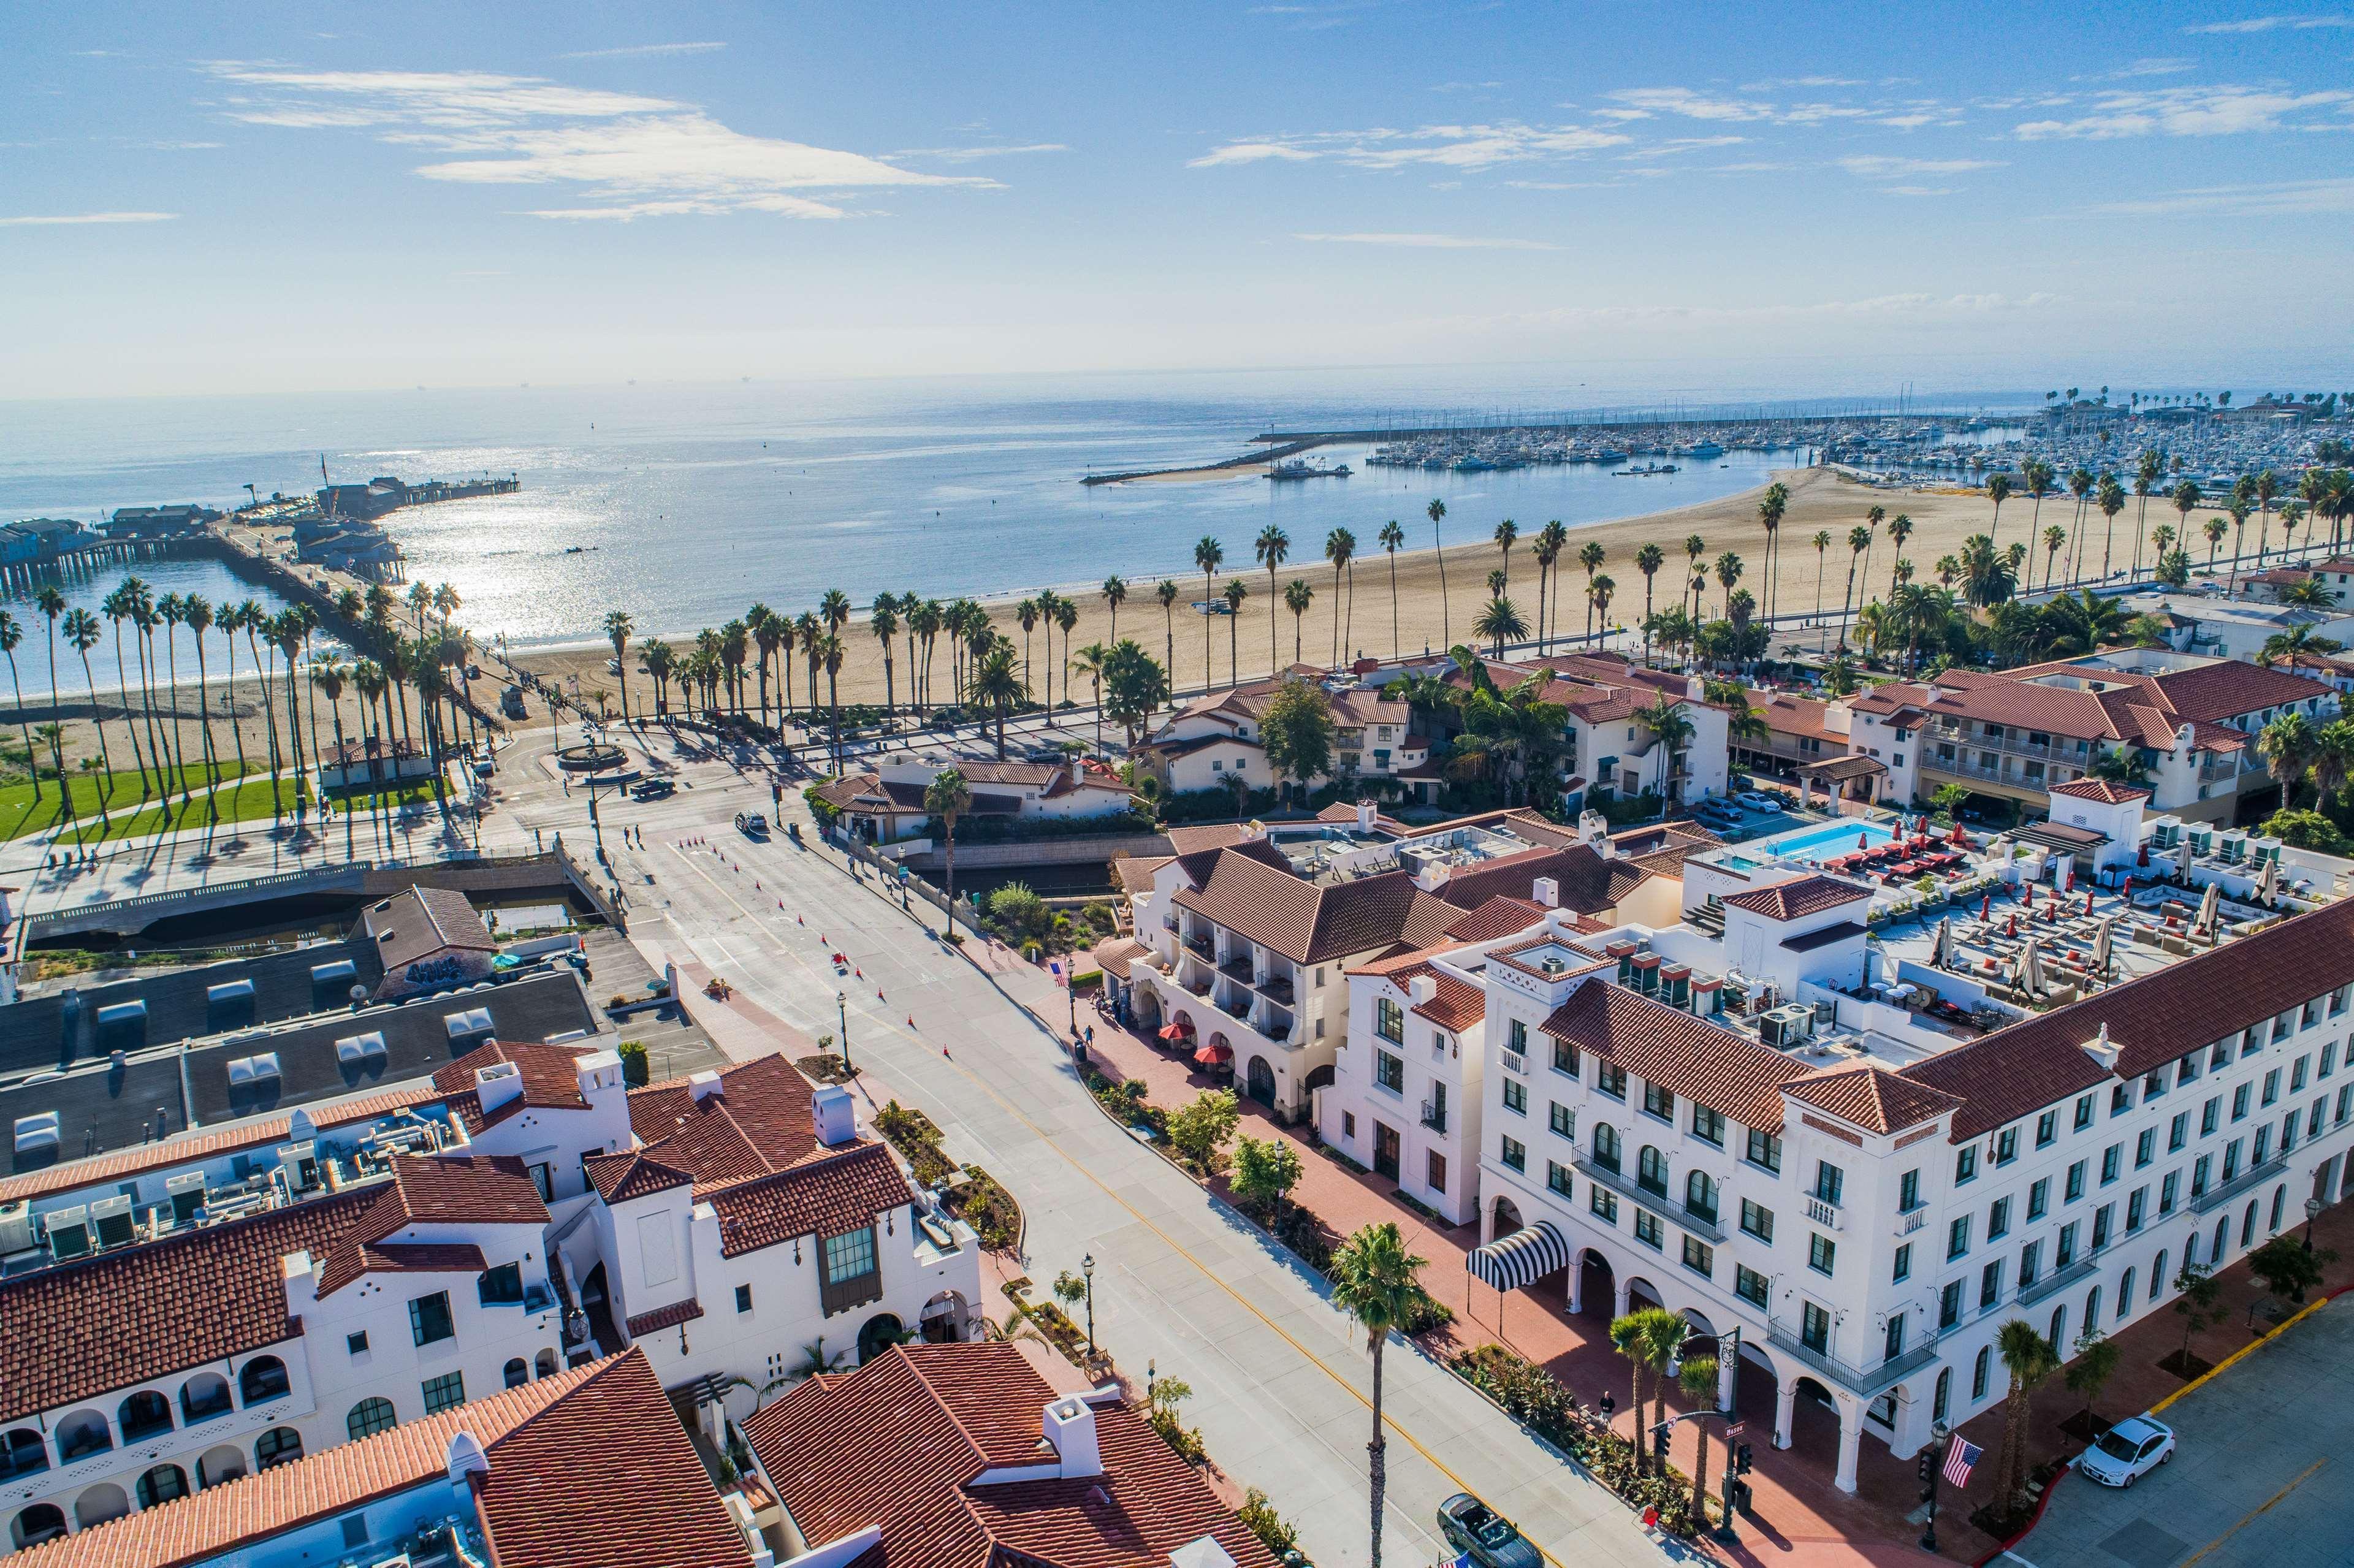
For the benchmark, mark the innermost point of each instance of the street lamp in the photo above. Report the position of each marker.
(1932, 1471)
(1087, 1267)
(841, 1016)
(2313, 1207)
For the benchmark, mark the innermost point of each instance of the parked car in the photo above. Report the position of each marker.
(1471, 1526)
(2128, 1451)
(751, 824)
(1045, 753)
(653, 790)
(1758, 801)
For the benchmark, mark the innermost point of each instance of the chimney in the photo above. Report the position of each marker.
(300, 1127)
(1421, 989)
(1546, 891)
(598, 1070)
(1366, 815)
(497, 1083)
(834, 1115)
(1070, 1427)
(302, 1283)
(1594, 832)
(1696, 689)
(465, 1457)
(705, 1086)
(2100, 1050)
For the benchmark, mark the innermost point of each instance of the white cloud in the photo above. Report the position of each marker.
(1690, 105)
(57, 220)
(1877, 166)
(1429, 241)
(966, 154)
(633, 157)
(641, 50)
(1677, 144)
(2269, 23)
(1466, 147)
(1783, 83)
(2285, 198)
(2185, 111)
(2151, 66)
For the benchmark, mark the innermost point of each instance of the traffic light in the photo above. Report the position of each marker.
(1741, 1495)
(1741, 1460)
(1659, 1445)
(1928, 1473)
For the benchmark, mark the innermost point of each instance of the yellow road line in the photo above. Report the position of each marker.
(2249, 1348)
(1175, 1246)
(2257, 1513)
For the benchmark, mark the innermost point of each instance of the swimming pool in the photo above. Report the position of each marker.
(1820, 842)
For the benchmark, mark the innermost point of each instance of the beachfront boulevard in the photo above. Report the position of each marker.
(1280, 1377)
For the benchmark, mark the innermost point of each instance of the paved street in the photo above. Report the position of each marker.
(1281, 1379)
(2260, 1474)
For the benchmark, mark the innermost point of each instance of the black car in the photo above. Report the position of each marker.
(1471, 1526)
(653, 790)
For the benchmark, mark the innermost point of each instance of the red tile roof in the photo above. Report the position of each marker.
(1499, 917)
(1730, 1074)
(1797, 900)
(821, 1197)
(1307, 922)
(550, 1075)
(1589, 884)
(1871, 1098)
(898, 1445)
(85, 1329)
(632, 1174)
(2100, 790)
(418, 922)
(1115, 956)
(429, 1189)
(662, 1318)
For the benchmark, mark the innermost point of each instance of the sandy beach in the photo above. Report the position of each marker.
(1820, 499)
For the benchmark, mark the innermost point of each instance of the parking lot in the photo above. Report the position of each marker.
(2261, 1473)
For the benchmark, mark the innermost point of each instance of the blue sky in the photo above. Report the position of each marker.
(272, 197)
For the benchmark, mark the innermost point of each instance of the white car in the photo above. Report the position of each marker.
(1758, 801)
(2128, 1451)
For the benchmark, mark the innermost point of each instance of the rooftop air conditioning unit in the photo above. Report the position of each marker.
(113, 1220)
(1787, 1028)
(1763, 998)
(16, 1227)
(67, 1231)
(186, 1192)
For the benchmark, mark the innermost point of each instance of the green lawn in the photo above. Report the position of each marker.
(20, 816)
(362, 800)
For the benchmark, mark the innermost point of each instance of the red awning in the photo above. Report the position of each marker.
(1215, 1056)
(1177, 1030)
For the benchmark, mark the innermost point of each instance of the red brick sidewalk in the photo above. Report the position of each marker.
(1800, 1518)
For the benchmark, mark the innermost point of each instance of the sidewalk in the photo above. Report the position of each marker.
(1798, 1516)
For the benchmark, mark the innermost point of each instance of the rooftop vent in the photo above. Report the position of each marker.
(353, 1050)
(465, 1457)
(259, 1068)
(705, 1086)
(474, 1021)
(1202, 1552)
(111, 1219)
(834, 1115)
(1554, 964)
(497, 1083)
(36, 1134)
(1546, 890)
(1070, 1427)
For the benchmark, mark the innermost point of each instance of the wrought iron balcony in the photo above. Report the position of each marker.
(1867, 1381)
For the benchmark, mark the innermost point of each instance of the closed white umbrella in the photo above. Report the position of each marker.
(1942, 954)
(2208, 907)
(2101, 945)
(2030, 968)
(2265, 878)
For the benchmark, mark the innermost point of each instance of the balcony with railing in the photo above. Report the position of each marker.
(1277, 987)
(1867, 1380)
(2059, 1279)
(2253, 1177)
(1434, 1117)
(1202, 945)
(1824, 1212)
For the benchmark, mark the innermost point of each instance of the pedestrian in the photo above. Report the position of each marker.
(1091, 1036)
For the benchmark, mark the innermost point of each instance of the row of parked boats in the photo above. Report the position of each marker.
(1459, 454)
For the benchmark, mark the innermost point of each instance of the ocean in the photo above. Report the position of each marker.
(684, 503)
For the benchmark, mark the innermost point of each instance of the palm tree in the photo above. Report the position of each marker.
(1671, 729)
(1392, 537)
(1436, 511)
(2036, 476)
(1376, 1281)
(1858, 541)
(368, 682)
(1066, 616)
(2287, 746)
(1235, 592)
(1872, 519)
(2079, 485)
(2294, 644)
(1729, 567)
(1649, 1339)
(1167, 593)
(618, 627)
(994, 689)
(2053, 537)
(830, 654)
(1297, 597)
(923, 623)
(1208, 555)
(2265, 487)
(2111, 499)
(82, 632)
(1821, 541)
(51, 602)
(1998, 492)
(1545, 550)
(657, 656)
(171, 612)
(1647, 561)
(2215, 528)
(198, 612)
(2028, 1357)
(11, 635)
(758, 623)
(1598, 599)
(1091, 663)
(1273, 547)
(328, 676)
(1698, 1377)
(1340, 548)
(1115, 594)
(947, 797)
(1694, 549)
(1771, 507)
(1590, 556)
(1500, 623)
(1507, 534)
(1900, 528)
(882, 620)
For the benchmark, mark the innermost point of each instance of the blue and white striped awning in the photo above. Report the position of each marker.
(1528, 1253)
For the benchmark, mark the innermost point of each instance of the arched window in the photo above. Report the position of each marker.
(161, 1484)
(204, 1396)
(219, 1464)
(2125, 1298)
(2279, 1194)
(2092, 1318)
(100, 1503)
(42, 1522)
(143, 1414)
(2191, 1249)
(23, 1451)
(518, 1373)
(1699, 1194)
(1945, 1391)
(2222, 1240)
(2058, 1336)
(2158, 1280)
(2248, 1224)
(264, 1377)
(83, 1433)
(1978, 1373)
(544, 1365)
(279, 1446)
(1606, 1146)
(1651, 1171)
(370, 1416)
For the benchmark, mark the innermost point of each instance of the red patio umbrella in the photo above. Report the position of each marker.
(1214, 1055)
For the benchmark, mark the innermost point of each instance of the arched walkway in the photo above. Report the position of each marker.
(881, 1331)
(1507, 1219)
(944, 1317)
(221, 1464)
(100, 1503)
(1594, 1287)
(1258, 1080)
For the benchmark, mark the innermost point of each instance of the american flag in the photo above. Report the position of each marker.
(1959, 1458)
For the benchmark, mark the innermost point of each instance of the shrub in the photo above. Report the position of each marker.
(1258, 1516)
(1016, 908)
(634, 1063)
(1199, 1131)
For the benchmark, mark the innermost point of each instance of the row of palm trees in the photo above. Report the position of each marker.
(154, 721)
